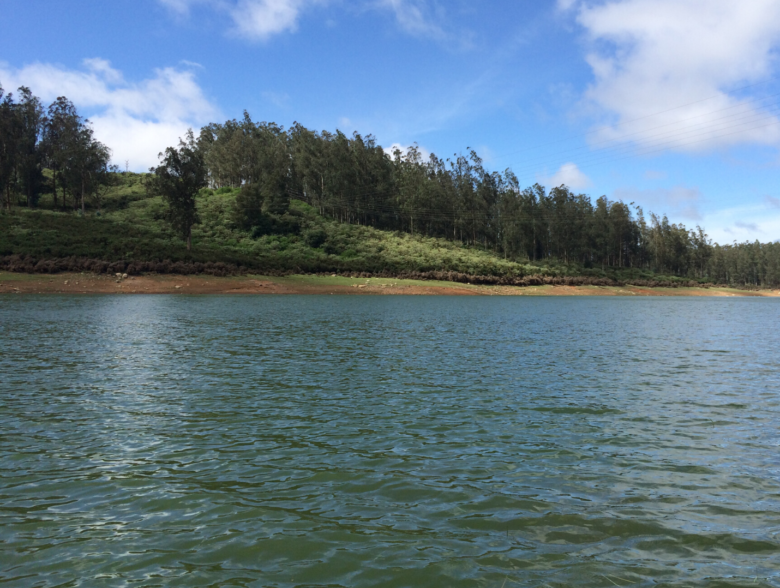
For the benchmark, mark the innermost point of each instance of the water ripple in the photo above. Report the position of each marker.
(389, 441)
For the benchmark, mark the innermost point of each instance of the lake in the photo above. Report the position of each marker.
(389, 441)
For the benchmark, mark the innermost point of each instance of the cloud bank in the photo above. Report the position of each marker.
(675, 64)
(744, 223)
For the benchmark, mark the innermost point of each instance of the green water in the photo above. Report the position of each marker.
(389, 441)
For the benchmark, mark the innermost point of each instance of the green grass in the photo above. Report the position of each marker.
(14, 277)
(130, 226)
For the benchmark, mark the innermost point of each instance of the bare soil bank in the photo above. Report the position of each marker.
(87, 283)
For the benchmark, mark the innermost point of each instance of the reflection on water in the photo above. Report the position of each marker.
(389, 441)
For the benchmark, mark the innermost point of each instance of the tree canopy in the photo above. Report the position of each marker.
(178, 178)
(58, 139)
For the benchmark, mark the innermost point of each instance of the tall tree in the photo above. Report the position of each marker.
(62, 128)
(89, 162)
(9, 144)
(180, 175)
(29, 155)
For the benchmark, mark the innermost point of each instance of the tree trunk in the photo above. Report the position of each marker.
(83, 211)
(189, 240)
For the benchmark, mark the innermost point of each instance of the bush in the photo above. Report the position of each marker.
(314, 237)
(269, 224)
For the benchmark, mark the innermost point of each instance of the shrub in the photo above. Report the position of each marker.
(314, 237)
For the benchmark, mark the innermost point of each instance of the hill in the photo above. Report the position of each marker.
(129, 234)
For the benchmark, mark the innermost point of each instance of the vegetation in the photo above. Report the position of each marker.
(252, 195)
(60, 140)
(179, 177)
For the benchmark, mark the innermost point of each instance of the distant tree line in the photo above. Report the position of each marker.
(50, 149)
(353, 180)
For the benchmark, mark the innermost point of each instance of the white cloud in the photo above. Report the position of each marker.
(257, 20)
(189, 63)
(744, 223)
(261, 19)
(678, 202)
(651, 56)
(136, 120)
(568, 174)
(102, 68)
(415, 17)
(424, 153)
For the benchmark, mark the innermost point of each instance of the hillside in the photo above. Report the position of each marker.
(129, 233)
(316, 201)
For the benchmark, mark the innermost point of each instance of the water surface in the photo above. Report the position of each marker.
(389, 441)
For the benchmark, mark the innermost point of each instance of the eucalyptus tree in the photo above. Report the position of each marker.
(181, 174)
(623, 234)
(29, 163)
(411, 182)
(91, 166)
(9, 140)
(308, 152)
(61, 139)
(442, 203)
(702, 251)
(62, 127)
(510, 210)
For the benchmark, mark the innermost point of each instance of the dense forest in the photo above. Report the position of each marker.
(352, 180)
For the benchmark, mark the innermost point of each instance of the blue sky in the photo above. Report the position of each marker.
(672, 104)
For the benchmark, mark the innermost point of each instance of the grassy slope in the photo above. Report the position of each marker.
(131, 228)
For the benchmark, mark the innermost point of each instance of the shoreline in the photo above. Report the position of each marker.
(85, 283)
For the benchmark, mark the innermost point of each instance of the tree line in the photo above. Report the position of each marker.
(49, 149)
(352, 179)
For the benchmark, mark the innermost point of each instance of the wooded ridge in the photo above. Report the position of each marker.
(254, 196)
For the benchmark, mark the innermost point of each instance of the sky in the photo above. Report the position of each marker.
(671, 104)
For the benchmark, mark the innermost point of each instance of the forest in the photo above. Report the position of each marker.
(266, 176)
